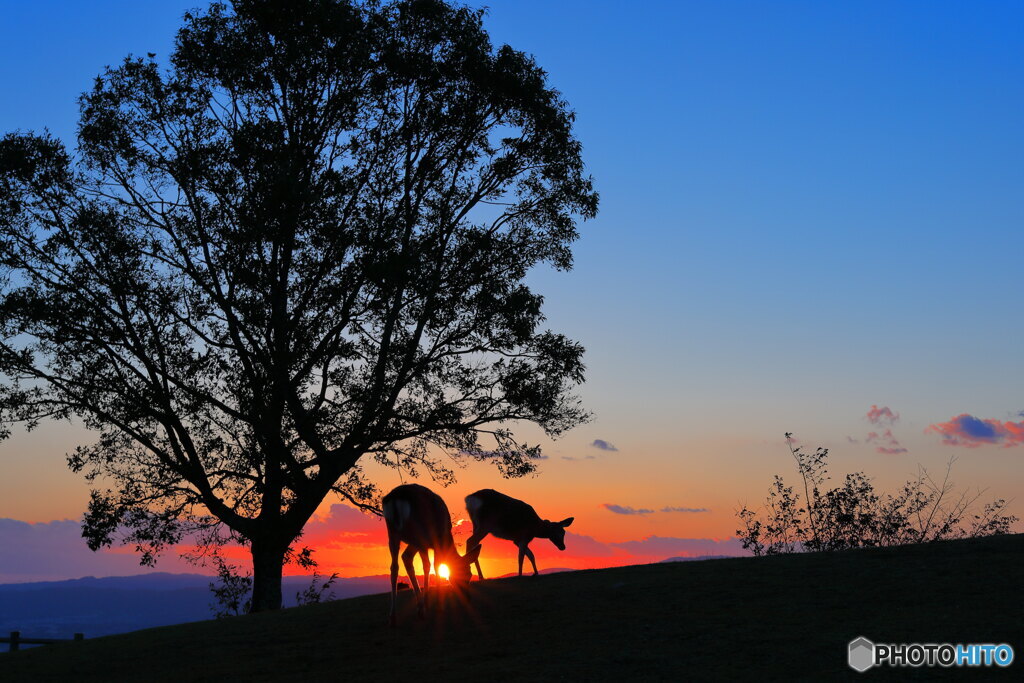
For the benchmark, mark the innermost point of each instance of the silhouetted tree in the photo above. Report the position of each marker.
(301, 245)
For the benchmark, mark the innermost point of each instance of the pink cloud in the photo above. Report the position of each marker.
(886, 442)
(344, 525)
(882, 416)
(972, 432)
(576, 546)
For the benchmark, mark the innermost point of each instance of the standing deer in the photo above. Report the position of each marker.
(417, 516)
(513, 520)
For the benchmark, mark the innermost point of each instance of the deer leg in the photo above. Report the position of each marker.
(425, 560)
(407, 557)
(473, 542)
(522, 552)
(393, 547)
(529, 554)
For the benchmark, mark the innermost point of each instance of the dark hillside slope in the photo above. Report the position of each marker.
(787, 617)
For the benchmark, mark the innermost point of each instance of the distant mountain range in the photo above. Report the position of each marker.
(699, 557)
(117, 604)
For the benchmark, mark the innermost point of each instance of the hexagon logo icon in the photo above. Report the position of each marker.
(861, 655)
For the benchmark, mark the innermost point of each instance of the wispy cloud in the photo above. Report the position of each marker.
(603, 445)
(882, 416)
(344, 526)
(972, 432)
(626, 510)
(885, 442)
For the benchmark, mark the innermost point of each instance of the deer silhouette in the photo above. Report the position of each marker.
(513, 520)
(417, 516)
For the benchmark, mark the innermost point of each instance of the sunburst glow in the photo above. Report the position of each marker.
(442, 571)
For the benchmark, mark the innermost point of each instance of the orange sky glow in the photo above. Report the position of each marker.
(649, 500)
(810, 222)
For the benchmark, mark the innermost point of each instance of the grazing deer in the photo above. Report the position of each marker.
(505, 517)
(417, 516)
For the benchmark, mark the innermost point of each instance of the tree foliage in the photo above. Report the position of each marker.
(854, 515)
(300, 246)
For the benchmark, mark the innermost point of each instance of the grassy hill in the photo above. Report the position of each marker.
(787, 617)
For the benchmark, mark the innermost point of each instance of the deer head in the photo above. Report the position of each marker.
(555, 531)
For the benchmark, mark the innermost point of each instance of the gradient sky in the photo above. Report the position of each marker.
(811, 221)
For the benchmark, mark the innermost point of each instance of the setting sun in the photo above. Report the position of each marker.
(442, 571)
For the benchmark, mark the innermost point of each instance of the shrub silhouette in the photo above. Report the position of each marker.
(855, 515)
(232, 590)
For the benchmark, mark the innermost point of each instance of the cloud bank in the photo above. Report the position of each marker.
(603, 445)
(345, 539)
(661, 546)
(52, 551)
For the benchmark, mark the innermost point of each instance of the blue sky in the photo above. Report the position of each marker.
(808, 208)
(812, 205)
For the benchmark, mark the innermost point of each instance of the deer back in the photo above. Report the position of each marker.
(503, 516)
(418, 516)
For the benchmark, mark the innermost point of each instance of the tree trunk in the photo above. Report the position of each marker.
(267, 561)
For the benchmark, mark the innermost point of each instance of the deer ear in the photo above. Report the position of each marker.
(472, 555)
(566, 522)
